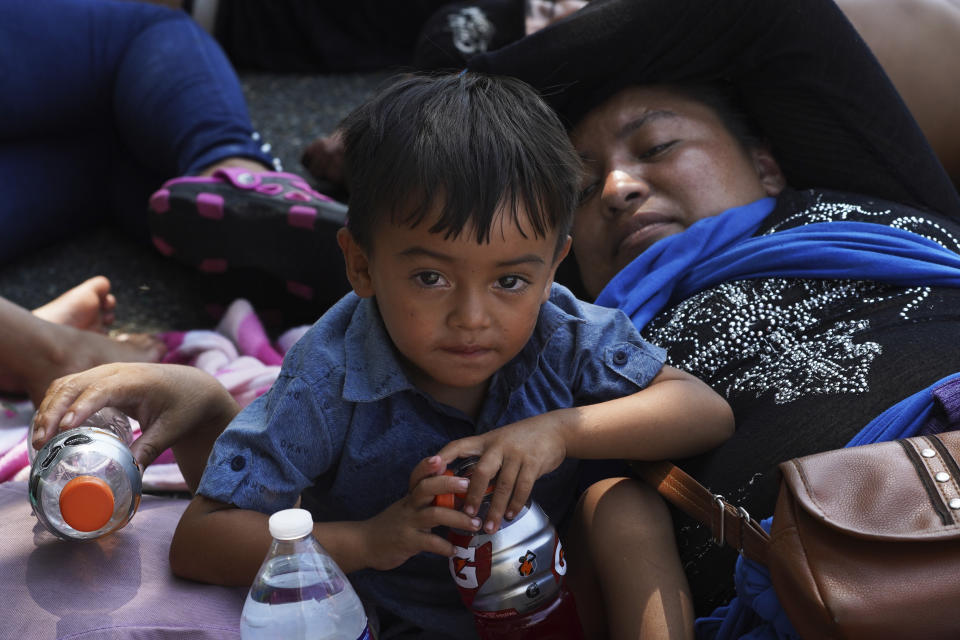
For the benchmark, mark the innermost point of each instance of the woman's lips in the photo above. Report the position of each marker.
(643, 230)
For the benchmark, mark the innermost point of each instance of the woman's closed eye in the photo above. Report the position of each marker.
(586, 192)
(656, 150)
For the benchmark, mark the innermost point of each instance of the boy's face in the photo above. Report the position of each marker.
(456, 310)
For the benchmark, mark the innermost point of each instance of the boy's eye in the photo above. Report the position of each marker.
(511, 282)
(428, 278)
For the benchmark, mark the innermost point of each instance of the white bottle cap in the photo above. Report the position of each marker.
(291, 524)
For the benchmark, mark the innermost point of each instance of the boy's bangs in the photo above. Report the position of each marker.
(458, 153)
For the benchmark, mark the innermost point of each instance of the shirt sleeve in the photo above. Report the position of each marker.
(603, 354)
(271, 451)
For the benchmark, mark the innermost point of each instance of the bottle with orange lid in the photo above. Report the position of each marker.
(85, 482)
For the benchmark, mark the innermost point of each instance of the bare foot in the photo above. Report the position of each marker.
(323, 158)
(64, 349)
(88, 306)
(238, 163)
(65, 336)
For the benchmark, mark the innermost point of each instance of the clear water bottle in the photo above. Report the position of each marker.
(85, 482)
(513, 579)
(300, 593)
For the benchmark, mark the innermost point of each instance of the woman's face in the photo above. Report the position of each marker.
(655, 163)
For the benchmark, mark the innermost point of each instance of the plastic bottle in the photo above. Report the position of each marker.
(512, 579)
(300, 593)
(85, 482)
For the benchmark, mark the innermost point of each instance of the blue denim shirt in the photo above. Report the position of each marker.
(344, 425)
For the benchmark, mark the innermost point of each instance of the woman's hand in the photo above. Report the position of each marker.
(174, 404)
(404, 528)
(512, 457)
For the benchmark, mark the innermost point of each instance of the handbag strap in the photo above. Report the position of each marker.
(728, 524)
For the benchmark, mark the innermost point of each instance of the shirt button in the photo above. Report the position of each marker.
(238, 463)
(620, 357)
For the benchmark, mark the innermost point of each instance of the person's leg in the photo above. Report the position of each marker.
(103, 100)
(229, 213)
(64, 336)
(178, 102)
(625, 572)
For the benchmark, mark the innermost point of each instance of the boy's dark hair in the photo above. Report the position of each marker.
(470, 141)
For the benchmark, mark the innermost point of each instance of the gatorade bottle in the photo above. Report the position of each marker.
(85, 482)
(512, 579)
(300, 593)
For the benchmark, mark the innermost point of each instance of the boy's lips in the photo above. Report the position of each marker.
(467, 351)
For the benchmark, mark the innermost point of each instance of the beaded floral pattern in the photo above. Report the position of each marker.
(790, 337)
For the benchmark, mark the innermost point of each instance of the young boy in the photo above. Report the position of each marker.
(455, 342)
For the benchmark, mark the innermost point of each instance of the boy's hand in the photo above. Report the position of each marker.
(404, 528)
(516, 455)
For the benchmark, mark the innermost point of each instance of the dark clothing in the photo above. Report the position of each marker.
(833, 118)
(842, 351)
(321, 35)
(460, 30)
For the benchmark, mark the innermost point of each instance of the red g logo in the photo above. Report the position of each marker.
(470, 568)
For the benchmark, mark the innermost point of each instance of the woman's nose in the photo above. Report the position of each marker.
(623, 191)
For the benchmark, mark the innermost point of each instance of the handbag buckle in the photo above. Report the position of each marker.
(721, 539)
(744, 517)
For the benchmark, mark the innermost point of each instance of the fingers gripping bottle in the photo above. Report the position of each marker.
(300, 593)
(512, 580)
(85, 482)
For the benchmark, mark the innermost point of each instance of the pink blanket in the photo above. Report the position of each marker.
(238, 353)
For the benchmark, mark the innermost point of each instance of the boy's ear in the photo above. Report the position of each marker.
(357, 264)
(768, 170)
(553, 270)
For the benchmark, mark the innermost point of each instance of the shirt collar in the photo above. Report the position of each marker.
(373, 368)
(552, 317)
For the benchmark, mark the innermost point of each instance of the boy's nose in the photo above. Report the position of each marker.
(623, 191)
(470, 312)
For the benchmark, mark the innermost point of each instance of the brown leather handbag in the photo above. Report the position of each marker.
(865, 541)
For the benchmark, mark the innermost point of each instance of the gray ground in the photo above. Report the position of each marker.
(154, 293)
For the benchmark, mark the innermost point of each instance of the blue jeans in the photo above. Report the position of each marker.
(100, 102)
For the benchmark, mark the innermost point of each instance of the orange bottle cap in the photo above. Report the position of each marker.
(445, 499)
(86, 503)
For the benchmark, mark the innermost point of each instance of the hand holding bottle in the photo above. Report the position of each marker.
(176, 405)
(404, 528)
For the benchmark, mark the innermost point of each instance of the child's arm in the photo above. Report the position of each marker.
(177, 406)
(677, 415)
(222, 544)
